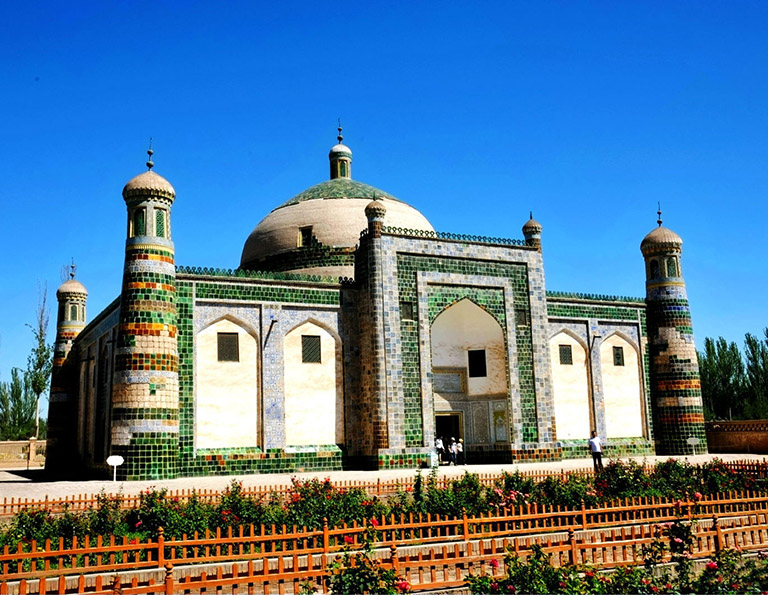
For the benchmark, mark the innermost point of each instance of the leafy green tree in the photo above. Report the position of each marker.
(756, 375)
(40, 361)
(723, 379)
(17, 407)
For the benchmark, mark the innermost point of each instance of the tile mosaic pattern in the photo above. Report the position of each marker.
(583, 315)
(408, 265)
(315, 255)
(270, 307)
(338, 188)
(144, 415)
(675, 380)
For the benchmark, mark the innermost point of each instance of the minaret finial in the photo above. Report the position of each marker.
(340, 137)
(150, 152)
(531, 214)
(72, 269)
(659, 214)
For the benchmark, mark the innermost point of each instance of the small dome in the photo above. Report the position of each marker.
(340, 149)
(71, 286)
(531, 226)
(660, 238)
(375, 209)
(149, 184)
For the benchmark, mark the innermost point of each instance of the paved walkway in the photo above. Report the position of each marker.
(18, 483)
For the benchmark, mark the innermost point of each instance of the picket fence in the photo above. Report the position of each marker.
(430, 551)
(83, 502)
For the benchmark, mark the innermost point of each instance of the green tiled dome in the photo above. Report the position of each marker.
(339, 188)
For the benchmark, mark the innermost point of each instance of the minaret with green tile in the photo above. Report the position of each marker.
(678, 412)
(145, 397)
(62, 403)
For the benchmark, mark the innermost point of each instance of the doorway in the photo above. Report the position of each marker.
(447, 426)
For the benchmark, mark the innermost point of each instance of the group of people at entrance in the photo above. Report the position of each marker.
(449, 451)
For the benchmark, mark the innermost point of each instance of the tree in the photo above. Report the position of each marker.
(40, 361)
(17, 407)
(722, 379)
(756, 375)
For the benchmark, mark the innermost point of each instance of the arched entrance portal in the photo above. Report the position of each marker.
(469, 372)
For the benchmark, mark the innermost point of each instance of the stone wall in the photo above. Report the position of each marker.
(738, 436)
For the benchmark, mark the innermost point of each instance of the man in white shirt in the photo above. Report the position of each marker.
(596, 447)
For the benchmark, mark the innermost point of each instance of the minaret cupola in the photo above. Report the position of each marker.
(341, 159)
(532, 232)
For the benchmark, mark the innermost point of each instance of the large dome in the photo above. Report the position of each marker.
(325, 219)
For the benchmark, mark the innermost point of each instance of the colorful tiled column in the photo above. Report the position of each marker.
(145, 397)
(678, 413)
(62, 404)
(375, 212)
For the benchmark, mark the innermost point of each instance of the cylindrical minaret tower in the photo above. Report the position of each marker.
(145, 397)
(678, 412)
(62, 403)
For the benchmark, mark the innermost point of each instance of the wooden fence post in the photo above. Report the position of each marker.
(465, 524)
(326, 543)
(572, 552)
(583, 515)
(160, 547)
(718, 533)
(116, 587)
(169, 586)
(393, 558)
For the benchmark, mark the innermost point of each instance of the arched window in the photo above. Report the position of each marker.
(343, 169)
(654, 269)
(139, 223)
(73, 312)
(672, 267)
(160, 223)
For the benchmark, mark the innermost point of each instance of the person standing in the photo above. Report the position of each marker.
(460, 452)
(453, 451)
(596, 447)
(439, 449)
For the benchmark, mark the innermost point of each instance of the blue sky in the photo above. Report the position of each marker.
(586, 113)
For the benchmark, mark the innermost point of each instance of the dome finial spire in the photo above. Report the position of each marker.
(659, 214)
(150, 152)
(340, 137)
(72, 269)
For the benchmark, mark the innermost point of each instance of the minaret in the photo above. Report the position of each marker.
(341, 159)
(678, 412)
(532, 233)
(62, 403)
(145, 397)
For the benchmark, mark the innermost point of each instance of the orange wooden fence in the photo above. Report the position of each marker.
(82, 502)
(285, 549)
(429, 568)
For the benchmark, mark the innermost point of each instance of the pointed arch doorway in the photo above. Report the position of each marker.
(469, 372)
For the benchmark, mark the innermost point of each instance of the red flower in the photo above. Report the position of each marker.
(589, 574)
(134, 541)
(402, 584)
(374, 522)
(697, 495)
(138, 524)
(511, 588)
(349, 539)
(494, 563)
(711, 565)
